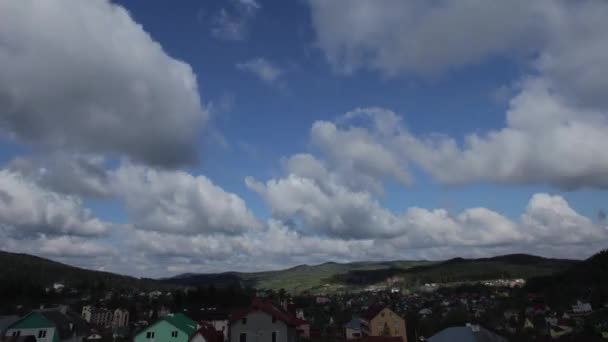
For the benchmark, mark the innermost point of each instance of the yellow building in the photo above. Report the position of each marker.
(382, 321)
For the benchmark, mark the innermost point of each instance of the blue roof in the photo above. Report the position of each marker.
(354, 324)
(466, 334)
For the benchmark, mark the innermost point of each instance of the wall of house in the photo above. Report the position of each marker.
(50, 333)
(352, 334)
(198, 338)
(221, 325)
(387, 318)
(259, 328)
(162, 333)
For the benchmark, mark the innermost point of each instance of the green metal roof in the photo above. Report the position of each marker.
(182, 322)
(33, 320)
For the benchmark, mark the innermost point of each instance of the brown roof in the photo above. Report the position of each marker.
(267, 307)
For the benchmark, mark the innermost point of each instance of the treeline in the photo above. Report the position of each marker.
(28, 270)
(457, 270)
(587, 280)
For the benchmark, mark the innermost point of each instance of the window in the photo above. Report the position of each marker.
(274, 336)
(174, 333)
(244, 320)
(17, 333)
(243, 337)
(41, 333)
(150, 334)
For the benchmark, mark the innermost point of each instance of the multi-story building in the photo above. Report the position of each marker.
(120, 318)
(382, 321)
(98, 316)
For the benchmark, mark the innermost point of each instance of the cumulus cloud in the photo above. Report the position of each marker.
(233, 22)
(262, 69)
(57, 247)
(82, 75)
(546, 140)
(28, 210)
(315, 202)
(423, 37)
(72, 174)
(177, 202)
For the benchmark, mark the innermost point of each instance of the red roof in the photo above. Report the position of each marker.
(268, 308)
(209, 333)
(299, 322)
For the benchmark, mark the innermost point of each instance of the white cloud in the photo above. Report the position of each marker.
(261, 68)
(177, 202)
(57, 247)
(546, 140)
(82, 75)
(315, 201)
(233, 23)
(72, 174)
(29, 210)
(423, 37)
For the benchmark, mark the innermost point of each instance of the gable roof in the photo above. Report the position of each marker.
(466, 334)
(65, 325)
(354, 324)
(182, 322)
(209, 333)
(178, 320)
(266, 307)
(373, 311)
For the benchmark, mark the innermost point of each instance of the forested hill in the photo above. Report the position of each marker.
(353, 276)
(21, 272)
(587, 280)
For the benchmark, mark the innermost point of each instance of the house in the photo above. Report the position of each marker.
(581, 308)
(120, 318)
(382, 321)
(302, 328)
(49, 326)
(262, 322)
(559, 331)
(352, 329)
(425, 312)
(469, 333)
(172, 327)
(217, 318)
(207, 333)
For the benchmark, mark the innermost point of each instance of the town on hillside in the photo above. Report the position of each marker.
(486, 311)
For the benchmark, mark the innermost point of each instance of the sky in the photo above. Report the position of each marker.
(153, 138)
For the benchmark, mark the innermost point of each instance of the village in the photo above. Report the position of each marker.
(499, 310)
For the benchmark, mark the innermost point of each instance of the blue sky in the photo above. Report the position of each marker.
(187, 137)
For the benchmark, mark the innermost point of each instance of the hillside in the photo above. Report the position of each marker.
(353, 276)
(585, 280)
(20, 270)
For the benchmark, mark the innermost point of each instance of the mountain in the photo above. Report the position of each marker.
(19, 270)
(354, 276)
